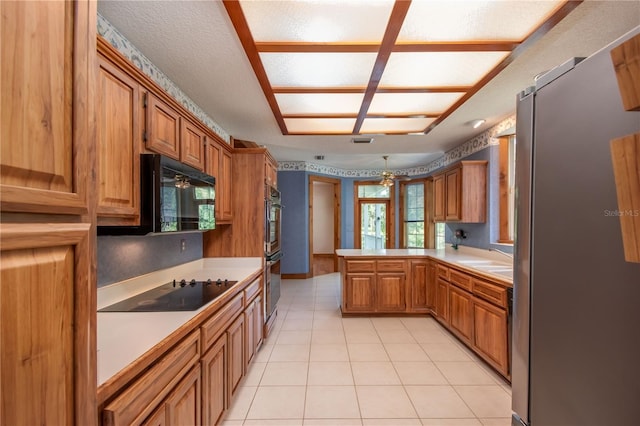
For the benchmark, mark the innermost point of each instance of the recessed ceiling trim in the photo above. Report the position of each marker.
(467, 46)
(560, 13)
(320, 116)
(246, 39)
(306, 47)
(443, 89)
(398, 13)
(319, 89)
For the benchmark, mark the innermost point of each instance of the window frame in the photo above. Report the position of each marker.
(357, 237)
(429, 226)
(506, 191)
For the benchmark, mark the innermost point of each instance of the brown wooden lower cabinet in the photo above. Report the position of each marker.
(442, 301)
(461, 313)
(214, 382)
(490, 334)
(235, 339)
(390, 292)
(472, 306)
(193, 382)
(359, 293)
(182, 406)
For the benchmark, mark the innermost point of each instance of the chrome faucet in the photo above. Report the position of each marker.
(509, 255)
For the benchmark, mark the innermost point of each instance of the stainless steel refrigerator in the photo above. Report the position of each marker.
(576, 322)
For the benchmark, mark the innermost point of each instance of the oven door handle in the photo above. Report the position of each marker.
(274, 257)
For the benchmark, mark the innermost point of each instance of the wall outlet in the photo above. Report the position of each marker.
(183, 245)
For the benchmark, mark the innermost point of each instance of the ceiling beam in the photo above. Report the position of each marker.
(244, 34)
(398, 13)
(529, 40)
(455, 46)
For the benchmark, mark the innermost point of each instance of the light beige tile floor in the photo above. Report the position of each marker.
(317, 368)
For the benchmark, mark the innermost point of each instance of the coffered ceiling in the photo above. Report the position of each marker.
(396, 69)
(383, 66)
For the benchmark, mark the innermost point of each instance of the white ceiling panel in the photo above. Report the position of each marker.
(412, 103)
(319, 103)
(391, 125)
(473, 20)
(438, 68)
(318, 69)
(317, 21)
(320, 125)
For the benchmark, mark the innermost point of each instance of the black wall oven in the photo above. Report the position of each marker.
(272, 249)
(273, 207)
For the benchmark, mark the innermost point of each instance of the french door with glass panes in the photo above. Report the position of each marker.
(374, 224)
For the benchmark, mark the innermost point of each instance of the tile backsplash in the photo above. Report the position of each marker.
(124, 257)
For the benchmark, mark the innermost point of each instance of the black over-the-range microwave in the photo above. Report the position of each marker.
(174, 197)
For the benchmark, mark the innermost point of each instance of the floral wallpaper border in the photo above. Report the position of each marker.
(124, 46)
(474, 145)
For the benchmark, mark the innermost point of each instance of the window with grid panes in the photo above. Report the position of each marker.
(414, 229)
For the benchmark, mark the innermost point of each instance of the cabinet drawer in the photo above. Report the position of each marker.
(460, 279)
(361, 266)
(490, 292)
(391, 266)
(215, 326)
(251, 292)
(443, 272)
(138, 400)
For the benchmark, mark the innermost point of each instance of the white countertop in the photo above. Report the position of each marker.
(488, 262)
(125, 336)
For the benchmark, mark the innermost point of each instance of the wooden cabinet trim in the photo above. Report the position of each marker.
(490, 292)
(361, 266)
(460, 279)
(216, 325)
(391, 265)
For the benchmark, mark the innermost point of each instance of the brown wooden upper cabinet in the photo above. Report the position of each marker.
(118, 146)
(218, 164)
(171, 134)
(162, 132)
(460, 193)
(192, 142)
(271, 172)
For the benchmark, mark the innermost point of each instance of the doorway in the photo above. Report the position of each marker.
(324, 224)
(374, 224)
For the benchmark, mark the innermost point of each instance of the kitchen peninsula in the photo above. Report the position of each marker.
(468, 291)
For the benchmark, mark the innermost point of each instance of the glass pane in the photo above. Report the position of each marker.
(414, 233)
(414, 202)
(440, 235)
(373, 226)
(373, 191)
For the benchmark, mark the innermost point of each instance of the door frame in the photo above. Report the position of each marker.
(337, 193)
(391, 214)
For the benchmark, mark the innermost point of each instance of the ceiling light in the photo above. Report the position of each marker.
(477, 123)
(182, 182)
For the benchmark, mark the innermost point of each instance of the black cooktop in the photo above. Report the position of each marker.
(180, 295)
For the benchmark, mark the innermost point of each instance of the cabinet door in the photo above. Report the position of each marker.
(359, 293)
(453, 184)
(192, 142)
(390, 292)
(461, 313)
(235, 340)
(271, 173)
(431, 284)
(163, 128)
(490, 334)
(215, 383)
(442, 300)
(48, 69)
(419, 279)
(45, 295)
(118, 143)
(183, 404)
(223, 195)
(218, 164)
(249, 332)
(439, 198)
(158, 417)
